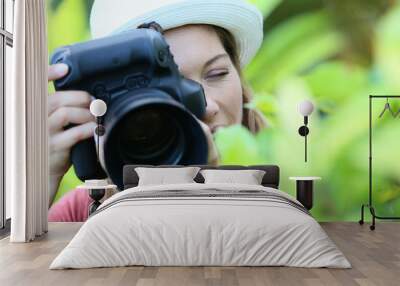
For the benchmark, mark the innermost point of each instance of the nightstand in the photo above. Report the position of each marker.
(97, 190)
(304, 190)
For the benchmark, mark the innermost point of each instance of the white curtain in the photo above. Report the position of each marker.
(26, 119)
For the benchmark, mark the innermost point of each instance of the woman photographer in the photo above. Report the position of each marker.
(211, 42)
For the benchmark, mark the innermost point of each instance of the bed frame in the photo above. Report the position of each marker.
(270, 179)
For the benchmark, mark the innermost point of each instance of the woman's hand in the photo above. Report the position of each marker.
(64, 108)
(213, 157)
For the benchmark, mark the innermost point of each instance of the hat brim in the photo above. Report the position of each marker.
(242, 20)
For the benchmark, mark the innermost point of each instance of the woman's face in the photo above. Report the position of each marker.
(201, 57)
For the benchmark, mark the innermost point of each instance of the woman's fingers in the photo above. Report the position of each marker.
(213, 157)
(68, 98)
(68, 138)
(57, 71)
(66, 115)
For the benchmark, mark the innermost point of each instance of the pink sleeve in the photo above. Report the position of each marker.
(72, 207)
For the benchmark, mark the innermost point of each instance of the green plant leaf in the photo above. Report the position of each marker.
(67, 25)
(387, 55)
(283, 39)
(236, 145)
(68, 183)
(323, 81)
(265, 6)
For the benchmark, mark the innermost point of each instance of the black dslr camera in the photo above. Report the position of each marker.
(150, 105)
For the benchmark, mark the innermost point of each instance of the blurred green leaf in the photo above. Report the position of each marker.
(67, 24)
(236, 145)
(323, 82)
(69, 182)
(264, 102)
(388, 48)
(265, 6)
(293, 47)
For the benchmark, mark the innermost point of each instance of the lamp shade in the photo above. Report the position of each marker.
(98, 107)
(306, 107)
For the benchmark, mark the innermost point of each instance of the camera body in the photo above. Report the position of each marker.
(151, 107)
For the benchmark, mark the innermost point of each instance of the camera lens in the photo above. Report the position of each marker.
(151, 135)
(149, 127)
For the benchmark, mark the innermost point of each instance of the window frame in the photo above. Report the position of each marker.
(6, 39)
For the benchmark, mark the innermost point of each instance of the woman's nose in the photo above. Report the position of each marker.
(212, 109)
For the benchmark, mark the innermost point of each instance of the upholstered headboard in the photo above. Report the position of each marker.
(270, 179)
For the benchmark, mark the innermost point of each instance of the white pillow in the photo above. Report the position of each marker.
(248, 177)
(162, 176)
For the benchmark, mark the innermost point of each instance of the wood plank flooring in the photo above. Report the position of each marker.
(375, 257)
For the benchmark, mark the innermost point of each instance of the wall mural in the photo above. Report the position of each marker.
(333, 53)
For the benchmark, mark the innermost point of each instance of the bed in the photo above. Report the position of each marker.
(201, 224)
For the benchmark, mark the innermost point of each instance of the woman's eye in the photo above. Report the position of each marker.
(218, 75)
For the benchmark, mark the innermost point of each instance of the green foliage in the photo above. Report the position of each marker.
(69, 182)
(68, 24)
(388, 48)
(307, 57)
(231, 140)
(265, 7)
(324, 79)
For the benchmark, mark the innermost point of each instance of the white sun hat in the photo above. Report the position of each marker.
(243, 20)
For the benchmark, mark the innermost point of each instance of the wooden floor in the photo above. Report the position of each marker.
(374, 255)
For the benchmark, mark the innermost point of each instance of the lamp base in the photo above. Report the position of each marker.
(303, 130)
(100, 130)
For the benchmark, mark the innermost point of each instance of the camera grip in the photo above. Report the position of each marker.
(84, 159)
